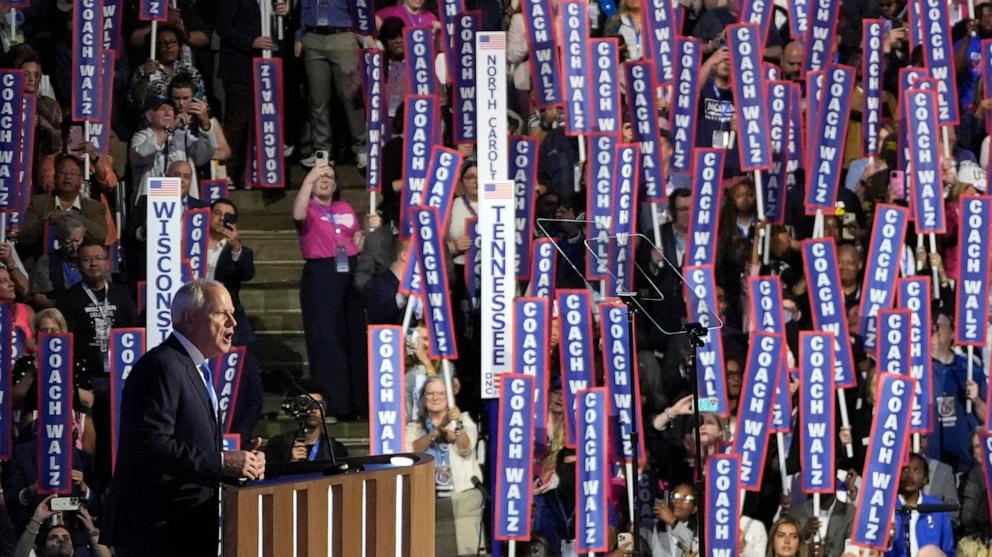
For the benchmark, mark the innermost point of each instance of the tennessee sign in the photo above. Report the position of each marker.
(514, 458)
(386, 405)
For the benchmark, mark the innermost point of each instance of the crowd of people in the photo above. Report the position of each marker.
(183, 107)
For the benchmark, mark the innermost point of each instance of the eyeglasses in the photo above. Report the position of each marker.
(687, 498)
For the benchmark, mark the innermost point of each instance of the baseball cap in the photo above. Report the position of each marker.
(971, 173)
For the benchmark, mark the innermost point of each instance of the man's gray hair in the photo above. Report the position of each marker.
(191, 296)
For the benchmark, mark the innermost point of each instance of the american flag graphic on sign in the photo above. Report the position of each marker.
(163, 187)
(499, 190)
(492, 41)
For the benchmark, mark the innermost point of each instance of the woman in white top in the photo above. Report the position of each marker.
(450, 437)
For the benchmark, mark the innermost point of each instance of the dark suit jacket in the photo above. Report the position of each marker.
(165, 491)
(93, 215)
(232, 273)
(238, 23)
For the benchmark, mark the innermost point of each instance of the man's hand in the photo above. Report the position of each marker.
(463, 243)
(230, 232)
(299, 452)
(244, 464)
(78, 481)
(7, 254)
(971, 390)
(298, 48)
(811, 526)
(262, 43)
(201, 110)
(43, 511)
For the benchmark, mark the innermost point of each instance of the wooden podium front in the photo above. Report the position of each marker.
(383, 510)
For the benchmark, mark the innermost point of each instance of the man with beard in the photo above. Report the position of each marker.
(792, 61)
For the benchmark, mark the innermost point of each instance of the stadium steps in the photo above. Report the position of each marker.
(272, 301)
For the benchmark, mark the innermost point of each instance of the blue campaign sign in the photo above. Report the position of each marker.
(442, 175)
(753, 137)
(54, 427)
(914, 295)
(622, 382)
(543, 268)
(126, 347)
(418, 47)
(778, 103)
(514, 457)
(196, 231)
(826, 302)
(599, 204)
(894, 332)
(573, 16)
(421, 116)
(971, 307)
(816, 411)
(873, 31)
(884, 249)
(886, 446)
(685, 98)
(827, 143)
(643, 111)
(374, 87)
(704, 216)
(723, 504)
(531, 356)
(544, 62)
(463, 129)
(621, 243)
(765, 298)
(575, 351)
(592, 472)
(11, 125)
(764, 365)
(605, 81)
(924, 156)
(938, 55)
(153, 10)
(87, 60)
(387, 409)
(434, 273)
(523, 172)
(270, 165)
(226, 370)
(661, 32)
(700, 286)
(820, 30)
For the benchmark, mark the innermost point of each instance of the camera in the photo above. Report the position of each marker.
(300, 407)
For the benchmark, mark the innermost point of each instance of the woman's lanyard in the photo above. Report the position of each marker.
(330, 219)
(468, 206)
(314, 450)
(633, 27)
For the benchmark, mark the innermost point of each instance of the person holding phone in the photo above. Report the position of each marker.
(331, 236)
(49, 534)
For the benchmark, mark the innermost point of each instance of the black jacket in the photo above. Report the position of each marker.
(239, 23)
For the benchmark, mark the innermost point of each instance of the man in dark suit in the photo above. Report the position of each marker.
(164, 498)
(230, 262)
(839, 519)
(65, 199)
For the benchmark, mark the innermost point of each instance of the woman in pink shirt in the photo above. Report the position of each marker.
(412, 13)
(330, 239)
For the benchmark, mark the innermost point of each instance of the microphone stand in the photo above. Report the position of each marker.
(695, 333)
(921, 508)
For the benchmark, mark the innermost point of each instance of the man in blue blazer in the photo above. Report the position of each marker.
(164, 498)
(926, 528)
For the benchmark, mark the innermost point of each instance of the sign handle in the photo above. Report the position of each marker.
(818, 224)
(780, 441)
(656, 224)
(971, 374)
(916, 442)
(446, 370)
(511, 548)
(763, 236)
(844, 421)
(933, 269)
(151, 54)
(13, 24)
(371, 205)
(86, 157)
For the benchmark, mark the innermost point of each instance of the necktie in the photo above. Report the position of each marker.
(207, 377)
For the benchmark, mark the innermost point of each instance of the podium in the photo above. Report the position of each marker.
(382, 505)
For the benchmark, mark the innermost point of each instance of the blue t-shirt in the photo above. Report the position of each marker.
(950, 441)
(968, 79)
(716, 108)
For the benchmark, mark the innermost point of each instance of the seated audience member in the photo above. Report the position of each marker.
(833, 531)
(94, 306)
(194, 112)
(66, 198)
(931, 528)
(450, 437)
(675, 534)
(152, 78)
(384, 303)
(163, 142)
(57, 270)
(231, 263)
(306, 442)
(48, 320)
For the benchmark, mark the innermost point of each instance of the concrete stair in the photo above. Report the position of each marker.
(272, 301)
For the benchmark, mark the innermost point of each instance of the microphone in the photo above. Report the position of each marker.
(477, 484)
(320, 407)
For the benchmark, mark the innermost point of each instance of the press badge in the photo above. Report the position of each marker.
(341, 260)
(723, 139)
